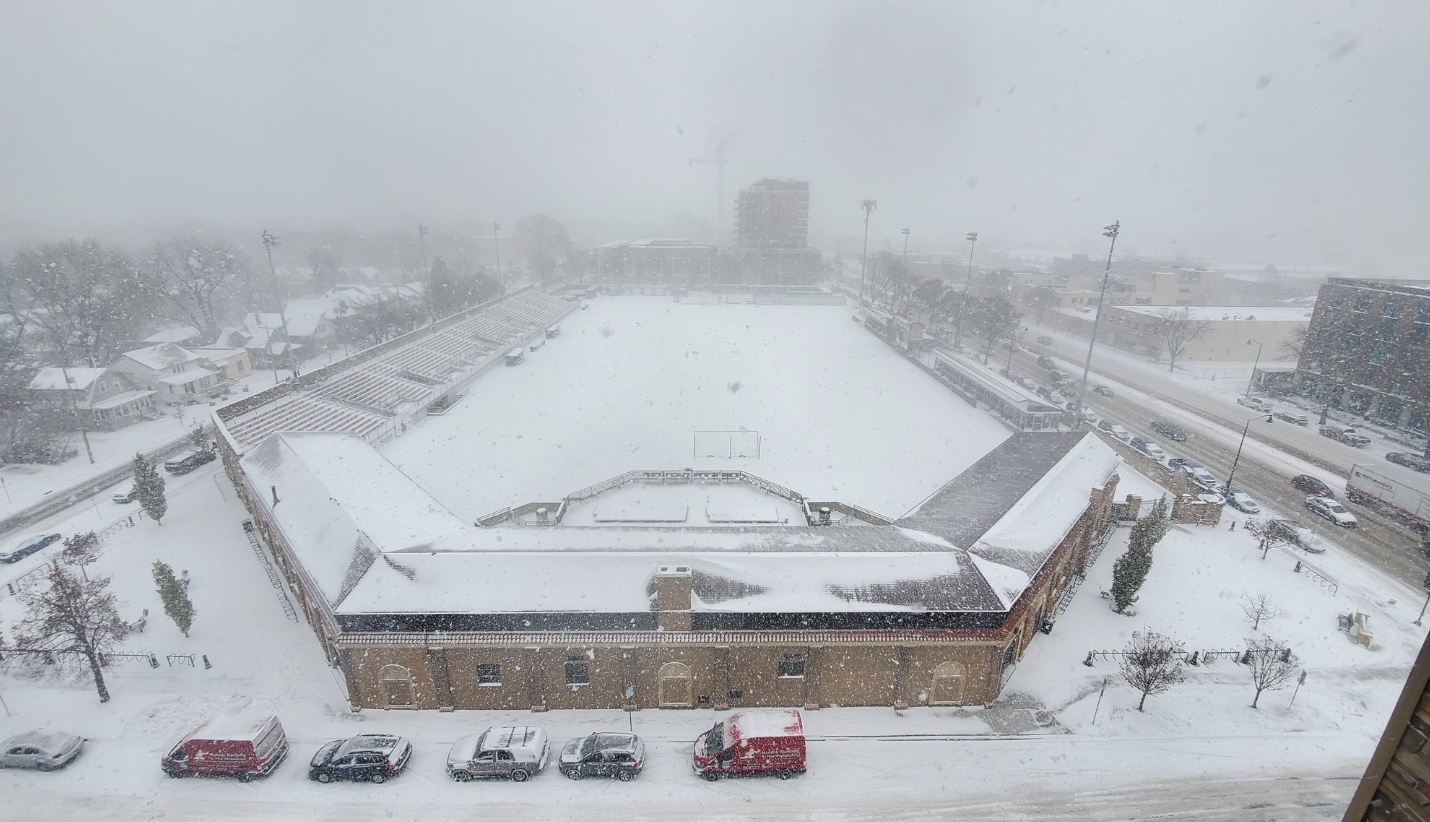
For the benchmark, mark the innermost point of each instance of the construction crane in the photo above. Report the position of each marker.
(720, 164)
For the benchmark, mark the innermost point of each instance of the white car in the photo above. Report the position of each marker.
(1117, 431)
(1242, 501)
(1331, 510)
(40, 751)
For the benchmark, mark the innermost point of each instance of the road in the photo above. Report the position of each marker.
(1213, 433)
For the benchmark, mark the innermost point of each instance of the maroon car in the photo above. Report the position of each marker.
(1307, 484)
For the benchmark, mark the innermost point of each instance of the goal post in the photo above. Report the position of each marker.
(727, 444)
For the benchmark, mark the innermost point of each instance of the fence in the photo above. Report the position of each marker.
(1317, 577)
(1242, 657)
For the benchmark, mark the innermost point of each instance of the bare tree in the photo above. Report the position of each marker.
(1269, 536)
(81, 550)
(1293, 346)
(1258, 608)
(85, 298)
(1176, 330)
(544, 242)
(995, 319)
(1151, 663)
(78, 616)
(195, 278)
(927, 295)
(1270, 663)
(1040, 299)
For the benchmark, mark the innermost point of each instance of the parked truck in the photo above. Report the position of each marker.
(1390, 496)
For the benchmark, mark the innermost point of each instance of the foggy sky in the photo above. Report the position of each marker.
(1291, 132)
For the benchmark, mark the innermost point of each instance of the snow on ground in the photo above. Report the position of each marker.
(1197, 747)
(630, 380)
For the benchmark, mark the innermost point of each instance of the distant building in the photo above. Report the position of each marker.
(773, 214)
(109, 397)
(1368, 350)
(663, 262)
(175, 375)
(1230, 332)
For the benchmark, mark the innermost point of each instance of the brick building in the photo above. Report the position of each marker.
(1367, 350)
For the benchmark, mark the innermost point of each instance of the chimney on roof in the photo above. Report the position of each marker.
(672, 597)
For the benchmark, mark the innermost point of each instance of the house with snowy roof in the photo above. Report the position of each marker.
(176, 375)
(107, 397)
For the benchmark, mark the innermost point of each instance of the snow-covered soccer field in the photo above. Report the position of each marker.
(630, 380)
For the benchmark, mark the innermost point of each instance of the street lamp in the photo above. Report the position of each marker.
(972, 238)
(868, 206)
(1269, 419)
(269, 241)
(497, 241)
(1107, 231)
(906, 244)
(1253, 365)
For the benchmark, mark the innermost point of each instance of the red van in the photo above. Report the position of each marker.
(760, 742)
(243, 745)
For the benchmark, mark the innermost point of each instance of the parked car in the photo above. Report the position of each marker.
(242, 746)
(1241, 501)
(1307, 484)
(1415, 462)
(756, 742)
(615, 755)
(1047, 362)
(1045, 340)
(372, 758)
(124, 497)
(1148, 447)
(1196, 472)
(1117, 431)
(1103, 391)
(1349, 436)
(1171, 431)
(1331, 510)
(1295, 533)
(507, 753)
(1293, 416)
(40, 751)
(189, 460)
(1256, 403)
(25, 546)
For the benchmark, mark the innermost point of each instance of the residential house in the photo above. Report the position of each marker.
(185, 335)
(177, 375)
(232, 363)
(107, 397)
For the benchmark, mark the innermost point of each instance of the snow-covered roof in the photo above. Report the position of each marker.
(53, 379)
(162, 356)
(119, 400)
(410, 555)
(173, 335)
(216, 353)
(1214, 313)
(755, 724)
(243, 727)
(188, 376)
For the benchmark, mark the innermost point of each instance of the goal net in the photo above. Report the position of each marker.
(727, 444)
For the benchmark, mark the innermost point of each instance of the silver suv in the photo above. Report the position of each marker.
(508, 753)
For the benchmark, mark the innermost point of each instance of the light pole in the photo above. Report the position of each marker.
(1427, 600)
(972, 238)
(868, 206)
(1253, 365)
(1107, 231)
(1269, 419)
(269, 241)
(906, 245)
(497, 241)
(422, 232)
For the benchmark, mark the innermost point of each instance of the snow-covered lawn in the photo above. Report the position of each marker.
(840, 414)
(1198, 746)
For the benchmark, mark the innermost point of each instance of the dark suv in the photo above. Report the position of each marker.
(1171, 431)
(603, 754)
(1415, 462)
(372, 757)
(189, 460)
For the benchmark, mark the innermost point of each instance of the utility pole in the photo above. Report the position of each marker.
(74, 409)
(497, 240)
(868, 206)
(1269, 419)
(268, 242)
(906, 246)
(1107, 231)
(1253, 365)
(422, 232)
(972, 238)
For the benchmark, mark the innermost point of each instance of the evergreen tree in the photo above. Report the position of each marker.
(149, 488)
(176, 599)
(201, 438)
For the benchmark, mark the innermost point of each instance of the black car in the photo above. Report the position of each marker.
(615, 755)
(1103, 391)
(189, 460)
(372, 757)
(1047, 362)
(1415, 462)
(1171, 431)
(1307, 484)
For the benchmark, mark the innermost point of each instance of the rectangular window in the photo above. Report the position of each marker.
(488, 674)
(792, 666)
(578, 673)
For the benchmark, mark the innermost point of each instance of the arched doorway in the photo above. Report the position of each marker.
(396, 684)
(947, 684)
(675, 686)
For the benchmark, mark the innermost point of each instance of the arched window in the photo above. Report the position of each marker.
(675, 686)
(396, 683)
(947, 687)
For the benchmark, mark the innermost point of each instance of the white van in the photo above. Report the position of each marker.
(1257, 403)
